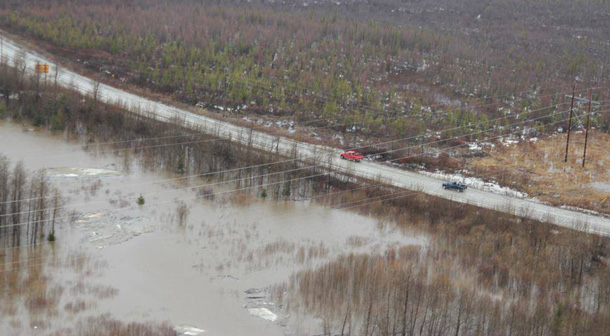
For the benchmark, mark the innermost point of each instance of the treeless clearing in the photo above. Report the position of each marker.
(538, 168)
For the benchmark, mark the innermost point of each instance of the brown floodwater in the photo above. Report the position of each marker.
(212, 271)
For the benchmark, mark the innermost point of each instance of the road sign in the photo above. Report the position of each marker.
(41, 68)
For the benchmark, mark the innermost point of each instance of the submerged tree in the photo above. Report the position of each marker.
(29, 206)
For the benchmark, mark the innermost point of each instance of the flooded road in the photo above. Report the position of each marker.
(205, 263)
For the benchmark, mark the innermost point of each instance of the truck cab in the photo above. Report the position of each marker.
(351, 155)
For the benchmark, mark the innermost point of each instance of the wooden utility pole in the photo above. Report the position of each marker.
(570, 123)
(584, 154)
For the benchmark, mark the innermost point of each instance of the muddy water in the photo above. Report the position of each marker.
(212, 271)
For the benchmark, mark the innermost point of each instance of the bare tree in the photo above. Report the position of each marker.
(95, 91)
(4, 195)
(17, 192)
(182, 212)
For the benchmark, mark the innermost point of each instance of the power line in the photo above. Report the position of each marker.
(355, 148)
(220, 172)
(234, 190)
(297, 144)
(367, 201)
(100, 94)
(420, 114)
(351, 205)
(254, 177)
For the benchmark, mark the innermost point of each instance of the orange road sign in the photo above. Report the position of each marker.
(41, 68)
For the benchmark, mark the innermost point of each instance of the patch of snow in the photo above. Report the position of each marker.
(602, 186)
(423, 67)
(587, 211)
(474, 146)
(508, 142)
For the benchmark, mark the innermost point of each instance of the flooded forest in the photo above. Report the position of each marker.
(114, 224)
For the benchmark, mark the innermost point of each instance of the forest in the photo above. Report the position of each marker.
(381, 69)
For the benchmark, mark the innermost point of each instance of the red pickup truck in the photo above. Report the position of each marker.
(351, 155)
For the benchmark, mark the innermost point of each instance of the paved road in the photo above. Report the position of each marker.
(322, 155)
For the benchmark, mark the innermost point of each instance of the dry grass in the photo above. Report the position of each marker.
(358, 241)
(105, 325)
(538, 168)
(32, 285)
(99, 291)
(495, 265)
(77, 306)
(240, 199)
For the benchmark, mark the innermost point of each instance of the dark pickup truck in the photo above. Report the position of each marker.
(455, 186)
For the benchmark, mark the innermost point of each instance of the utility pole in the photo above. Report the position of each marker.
(584, 154)
(570, 123)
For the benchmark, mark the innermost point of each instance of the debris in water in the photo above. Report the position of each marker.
(85, 219)
(103, 230)
(263, 313)
(188, 331)
(256, 293)
(81, 172)
(227, 277)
